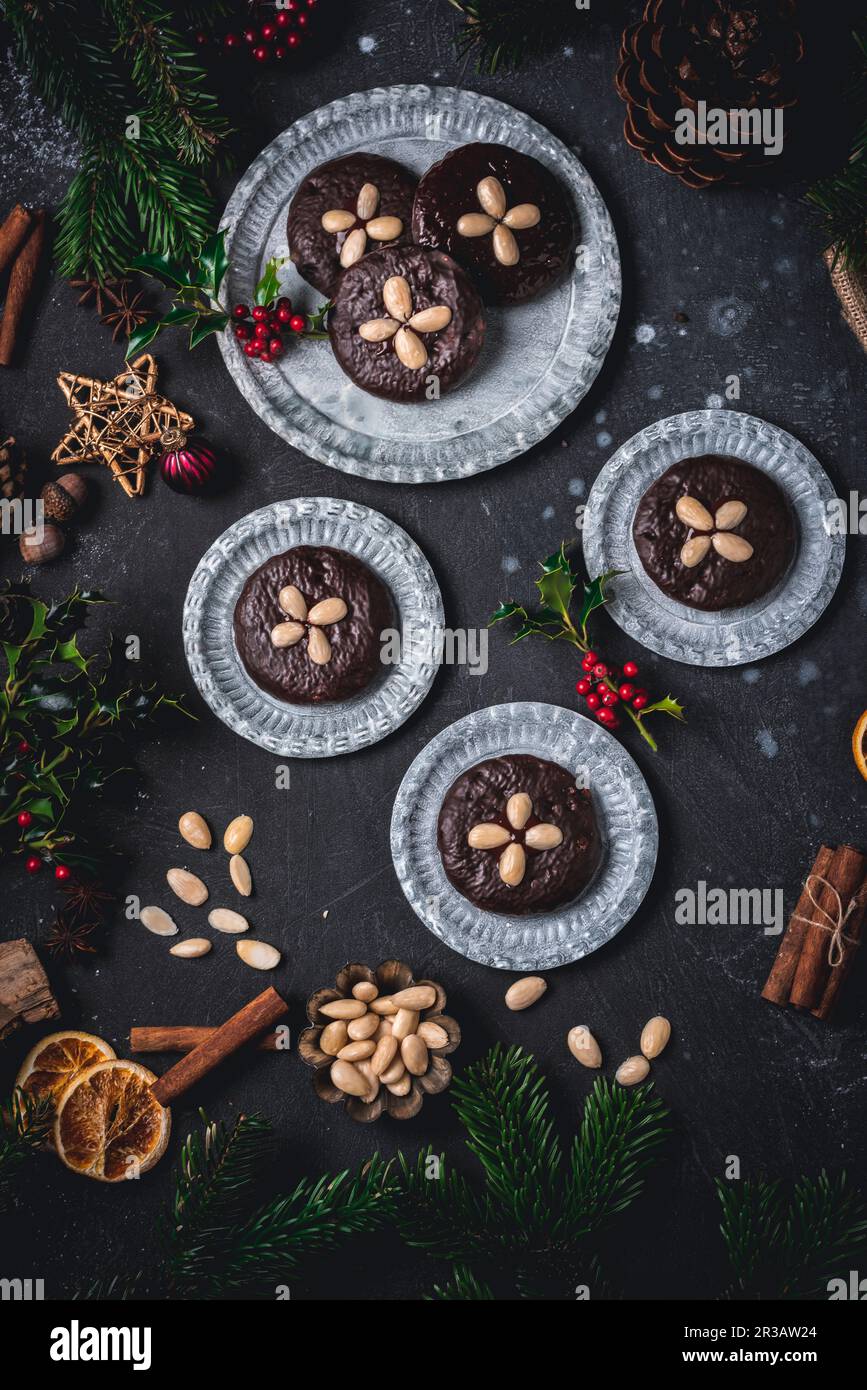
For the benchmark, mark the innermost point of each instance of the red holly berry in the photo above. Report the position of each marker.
(626, 691)
(284, 315)
(275, 346)
(260, 313)
(302, 20)
(281, 19)
(249, 35)
(231, 41)
(601, 687)
(593, 701)
(251, 349)
(260, 54)
(605, 716)
(24, 818)
(242, 333)
(267, 32)
(292, 40)
(201, 39)
(630, 669)
(23, 747)
(33, 864)
(62, 872)
(265, 356)
(261, 330)
(583, 686)
(588, 661)
(600, 670)
(296, 323)
(241, 311)
(639, 699)
(610, 698)
(279, 52)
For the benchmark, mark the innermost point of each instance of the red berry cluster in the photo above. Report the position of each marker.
(604, 690)
(33, 863)
(261, 328)
(281, 34)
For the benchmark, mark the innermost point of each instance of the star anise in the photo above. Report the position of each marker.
(66, 937)
(126, 316)
(85, 900)
(96, 292)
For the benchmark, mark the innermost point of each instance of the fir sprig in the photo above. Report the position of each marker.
(504, 34)
(534, 1210)
(789, 1245)
(842, 197)
(24, 1125)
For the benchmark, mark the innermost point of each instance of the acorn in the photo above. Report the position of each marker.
(62, 499)
(41, 552)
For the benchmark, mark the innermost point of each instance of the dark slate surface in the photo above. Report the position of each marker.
(745, 793)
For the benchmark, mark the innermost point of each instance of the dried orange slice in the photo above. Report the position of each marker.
(108, 1125)
(56, 1060)
(859, 745)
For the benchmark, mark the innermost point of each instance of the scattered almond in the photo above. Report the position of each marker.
(633, 1070)
(193, 946)
(195, 830)
(654, 1036)
(239, 873)
(224, 919)
(158, 921)
(187, 887)
(583, 1046)
(525, 992)
(237, 835)
(258, 954)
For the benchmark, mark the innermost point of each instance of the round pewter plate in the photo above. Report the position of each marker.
(312, 731)
(539, 358)
(734, 635)
(624, 809)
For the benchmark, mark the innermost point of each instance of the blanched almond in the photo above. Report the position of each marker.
(367, 201)
(357, 1051)
(384, 228)
(386, 1051)
(543, 836)
(378, 330)
(693, 551)
(237, 835)
(353, 247)
(344, 1008)
(633, 1070)
(655, 1035)
(195, 830)
(692, 513)
(410, 349)
(318, 647)
(431, 320)
(328, 610)
(519, 809)
(583, 1046)
(415, 997)
(366, 990)
(225, 920)
(363, 1027)
(525, 992)
(287, 634)
(394, 1072)
(293, 602)
(333, 1037)
(413, 1051)
(522, 216)
(402, 1086)
(384, 1005)
(405, 1022)
(475, 224)
(192, 947)
(732, 547)
(488, 835)
(372, 1081)
(384, 1029)
(513, 864)
(505, 246)
(348, 1078)
(397, 297)
(187, 887)
(258, 954)
(239, 873)
(337, 220)
(434, 1035)
(157, 921)
(730, 515)
(491, 196)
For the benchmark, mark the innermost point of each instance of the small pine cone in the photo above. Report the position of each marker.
(13, 471)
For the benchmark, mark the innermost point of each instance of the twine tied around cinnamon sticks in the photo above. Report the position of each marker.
(821, 941)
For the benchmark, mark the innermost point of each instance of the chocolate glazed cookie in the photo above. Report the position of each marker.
(714, 533)
(501, 214)
(517, 836)
(344, 209)
(402, 316)
(308, 625)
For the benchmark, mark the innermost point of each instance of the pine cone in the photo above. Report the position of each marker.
(732, 54)
(12, 471)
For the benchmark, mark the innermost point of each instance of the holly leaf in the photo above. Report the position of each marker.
(144, 334)
(205, 325)
(666, 706)
(213, 262)
(594, 597)
(529, 628)
(171, 272)
(557, 584)
(268, 287)
(506, 610)
(68, 651)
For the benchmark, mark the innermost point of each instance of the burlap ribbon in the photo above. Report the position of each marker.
(851, 290)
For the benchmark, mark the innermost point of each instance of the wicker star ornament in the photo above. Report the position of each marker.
(119, 423)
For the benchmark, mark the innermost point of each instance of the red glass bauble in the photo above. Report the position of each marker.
(189, 467)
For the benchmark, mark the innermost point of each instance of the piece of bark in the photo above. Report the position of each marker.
(25, 994)
(778, 986)
(21, 282)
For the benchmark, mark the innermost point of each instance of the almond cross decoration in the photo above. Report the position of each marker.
(513, 860)
(322, 614)
(713, 531)
(339, 220)
(496, 218)
(404, 326)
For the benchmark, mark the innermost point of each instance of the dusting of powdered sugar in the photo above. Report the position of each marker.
(35, 142)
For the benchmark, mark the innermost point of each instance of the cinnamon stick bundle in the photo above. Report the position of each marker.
(21, 282)
(820, 943)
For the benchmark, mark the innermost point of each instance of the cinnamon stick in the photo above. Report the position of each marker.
(778, 986)
(13, 233)
(184, 1039)
(21, 282)
(846, 873)
(261, 1013)
(837, 976)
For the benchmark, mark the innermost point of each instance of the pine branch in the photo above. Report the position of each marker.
(503, 1103)
(24, 1126)
(95, 237)
(620, 1133)
(441, 1214)
(163, 65)
(842, 197)
(175, 209)
(503, 34)
(463, 1286)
